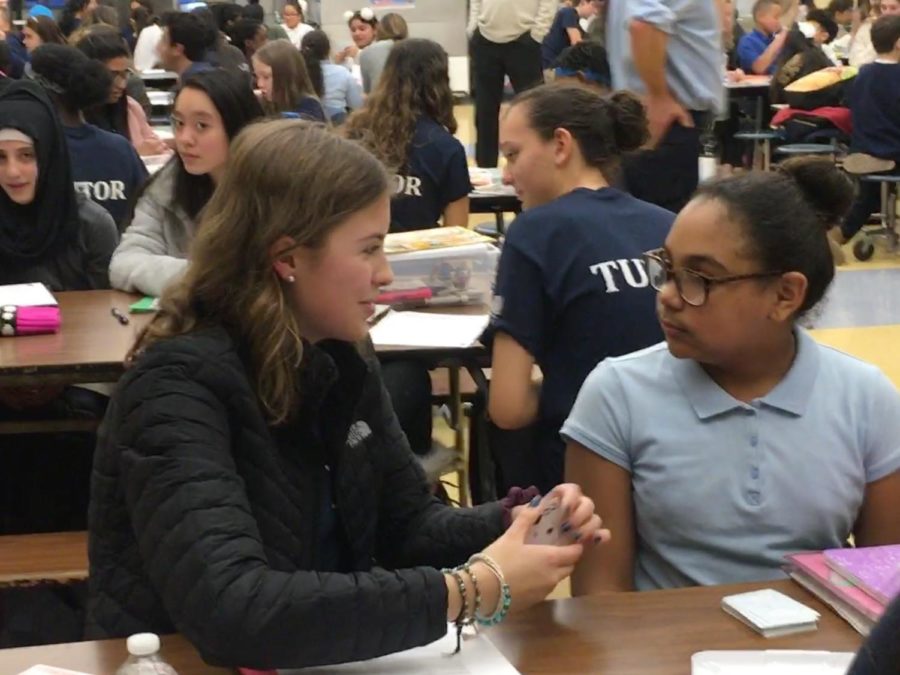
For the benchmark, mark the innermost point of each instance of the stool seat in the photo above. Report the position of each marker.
(881, 178)
(806, 149)
(756, 135)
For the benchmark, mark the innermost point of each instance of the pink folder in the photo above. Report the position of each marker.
(815, 566)
(875, 569)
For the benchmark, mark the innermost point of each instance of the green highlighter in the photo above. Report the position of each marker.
(145, 305)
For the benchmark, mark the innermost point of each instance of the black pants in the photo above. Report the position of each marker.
(409, 386)
(667, 176)
(491, 62)
(868, 201)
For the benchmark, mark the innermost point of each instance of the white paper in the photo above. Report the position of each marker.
(50, 670)
(770, 662)
(421, 329)
(26, 295)
(768, 609)
(477, 657)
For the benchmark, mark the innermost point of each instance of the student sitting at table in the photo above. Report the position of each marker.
(185, 41)
(119, 113)
(566, 30)
(284, 83)
(758, 50)
(210, 109)
(585, 63)
(105, 166)
(49, 232)
(571, 289)
(251, 488)
(408, 123)
(248, 36)
(740, 439)
(341, 92)
(874, 100)
(391, 29)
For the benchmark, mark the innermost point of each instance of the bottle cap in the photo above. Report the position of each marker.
(143, 644)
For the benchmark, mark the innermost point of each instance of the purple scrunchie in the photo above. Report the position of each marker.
(516, 497)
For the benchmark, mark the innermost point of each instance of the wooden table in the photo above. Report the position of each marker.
(90, 347)
(56, 556)
(651, 633)
(617, 634)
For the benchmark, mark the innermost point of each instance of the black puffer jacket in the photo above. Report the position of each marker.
(204, 520)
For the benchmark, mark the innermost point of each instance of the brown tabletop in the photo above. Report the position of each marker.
(617, 634)
(90, 347)
(57, 556)
(651, 633)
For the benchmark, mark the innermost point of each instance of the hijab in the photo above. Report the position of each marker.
(31, 232)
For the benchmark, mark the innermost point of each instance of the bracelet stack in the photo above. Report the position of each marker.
(467, 617)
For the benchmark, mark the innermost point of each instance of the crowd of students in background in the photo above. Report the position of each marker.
(656, 353)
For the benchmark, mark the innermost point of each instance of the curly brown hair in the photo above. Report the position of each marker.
(285, 178)
(415, 83)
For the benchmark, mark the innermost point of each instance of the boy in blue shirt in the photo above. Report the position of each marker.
(758, 50)
(566, 30)
(874, 101)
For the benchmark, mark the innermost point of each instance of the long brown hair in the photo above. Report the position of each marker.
(290, 79)
(415, 83)
(46, 29)
(284, 178)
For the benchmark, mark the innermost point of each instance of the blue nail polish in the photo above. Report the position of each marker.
(534, 502)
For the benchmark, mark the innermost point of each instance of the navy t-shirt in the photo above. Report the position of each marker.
(874, 100)
(558, 38)
(309, 108)
(435, 175)
(106, 168)
(572, 290)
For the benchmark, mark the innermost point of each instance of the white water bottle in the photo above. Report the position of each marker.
(708, 161)
(144, 658)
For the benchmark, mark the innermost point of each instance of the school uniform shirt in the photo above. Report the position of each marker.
(106, 168)
(310, 108)
(874, 101)
(435, 175)
(722, 489)
(342, 91)
(751, 47)
(295, 34)
(558, 38)
(572, 290)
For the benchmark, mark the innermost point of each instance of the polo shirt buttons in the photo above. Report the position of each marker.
(753, 497)
(754, 440)
(754, 472)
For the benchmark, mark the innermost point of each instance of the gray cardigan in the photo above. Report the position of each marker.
(154, 248)
(371, 62)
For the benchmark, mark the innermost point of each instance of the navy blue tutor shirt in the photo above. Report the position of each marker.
(874, 100)
(436, 174)
(572, 290)
(106, 168)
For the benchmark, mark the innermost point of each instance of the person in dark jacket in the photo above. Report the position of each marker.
(252, 488)
(880, 655)
(52, 235)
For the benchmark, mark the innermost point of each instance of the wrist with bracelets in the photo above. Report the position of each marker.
(504, 600)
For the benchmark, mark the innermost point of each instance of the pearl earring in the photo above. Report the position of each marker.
(290, 279)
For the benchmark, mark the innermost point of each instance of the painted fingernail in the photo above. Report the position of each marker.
(534, 502)
(576, 536)
(565, 527)
(597, 539)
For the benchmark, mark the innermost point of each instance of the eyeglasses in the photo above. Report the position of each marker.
(121, 74)
(693, 287)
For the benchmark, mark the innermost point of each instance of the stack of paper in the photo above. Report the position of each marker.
(26, 295)
(770, 662)
(770, 613)
(422, 330)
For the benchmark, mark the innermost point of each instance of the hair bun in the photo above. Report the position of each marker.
(367, 14)
(827, 189)
(629, 121)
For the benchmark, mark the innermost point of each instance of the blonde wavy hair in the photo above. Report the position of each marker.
(284, 178)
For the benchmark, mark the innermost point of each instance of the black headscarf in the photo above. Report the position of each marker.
(50, 222)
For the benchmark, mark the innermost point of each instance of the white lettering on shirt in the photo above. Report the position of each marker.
(102, 190)
(613, 270)
(408, 185)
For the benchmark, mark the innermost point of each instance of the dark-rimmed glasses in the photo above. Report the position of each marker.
(693, 287)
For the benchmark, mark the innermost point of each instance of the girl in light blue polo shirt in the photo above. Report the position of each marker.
(740, 439)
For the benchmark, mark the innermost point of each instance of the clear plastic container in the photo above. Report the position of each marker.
(144, 658)
(459, 275)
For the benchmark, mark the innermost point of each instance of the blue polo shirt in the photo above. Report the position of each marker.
(751, 46)
(694, 52)
(722, 489)
(557, 39)
(436, 174)
(874, 101)
(572, 290)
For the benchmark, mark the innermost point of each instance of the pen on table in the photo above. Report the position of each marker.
(121, 318)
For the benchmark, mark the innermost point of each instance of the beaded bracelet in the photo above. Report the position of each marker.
(505, 600)
(461, 617)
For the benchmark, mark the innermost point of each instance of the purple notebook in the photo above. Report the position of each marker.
(875, 569)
